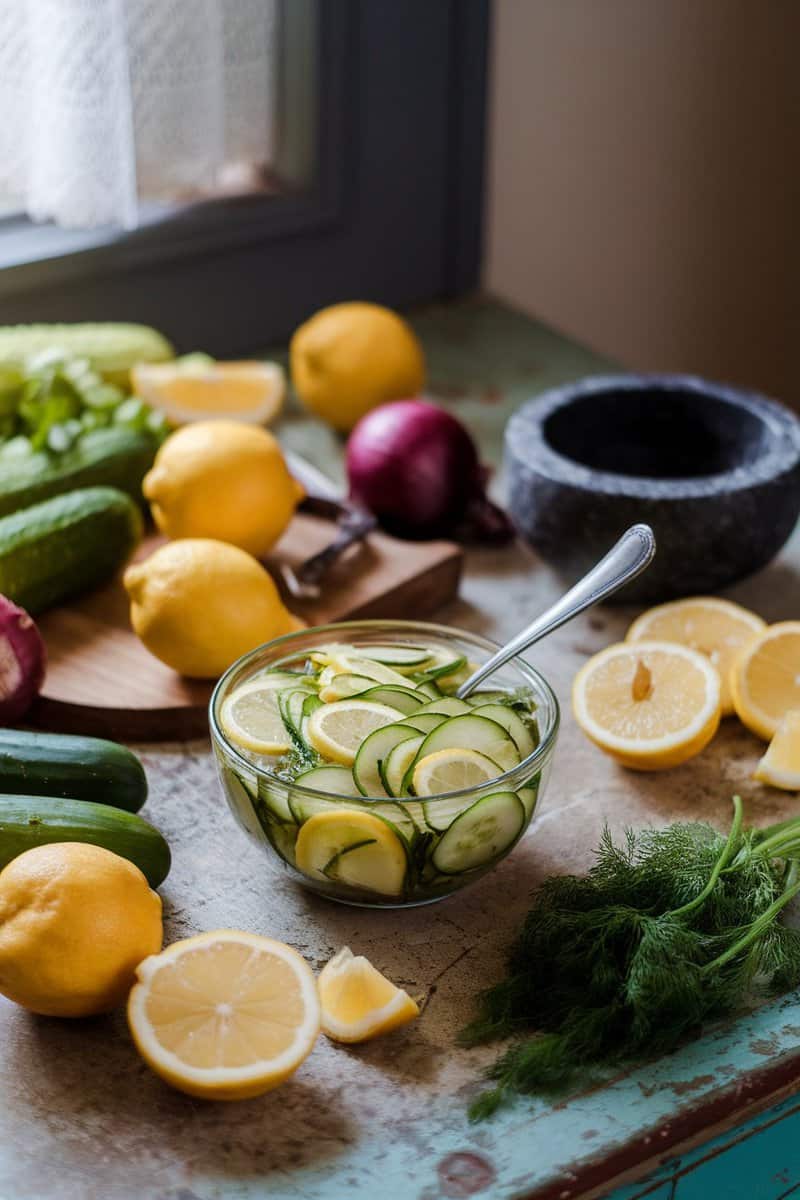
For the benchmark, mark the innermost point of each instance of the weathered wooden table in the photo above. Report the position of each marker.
(83, 1119)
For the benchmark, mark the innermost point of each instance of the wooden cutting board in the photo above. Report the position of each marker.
(101, 680)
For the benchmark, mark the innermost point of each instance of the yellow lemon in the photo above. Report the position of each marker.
(351, 357)
(75, 922)
(224, 480)
(195, 387)
(765, 679)
(358, 1002)
(650, 705)
(198, 605)
(225, 1015)
(717, 628)
(780, 766)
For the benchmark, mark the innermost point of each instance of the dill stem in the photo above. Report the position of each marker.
(791, 888)
(719, 865)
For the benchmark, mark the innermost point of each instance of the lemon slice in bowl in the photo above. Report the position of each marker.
(354, 848)
(250, 718)
(765, 679)
(453, 771)
(780, 766)
(195, 388)
(224, 1015)
(650, 705)
(337, 730)
(358, 1003)
(717, 628)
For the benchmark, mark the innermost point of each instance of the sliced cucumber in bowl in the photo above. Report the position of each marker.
(405, 700)
(447, 706)
(477, 733)
(401, 656)
(394, 767)
(374, 750)
(480, 834)
(513, 724)
(335, 780)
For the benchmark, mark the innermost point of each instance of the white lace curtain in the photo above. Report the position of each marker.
(106, 103)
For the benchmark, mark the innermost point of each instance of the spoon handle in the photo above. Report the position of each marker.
(624, 561)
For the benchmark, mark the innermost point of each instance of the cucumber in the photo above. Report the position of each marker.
(290, 706)
(242, 798)
(113, 457)
(337, 781)
(431, 690)
(480, 834)
(78, 768)
(400, 656)
(66, 545)
(393, 815)
(528, 797)
(405, 700)
(275, 798)
(398, 760)
(479, 698)
(345, 686)
(28, 821)
(512, 723)
(448, 706)
(371, 753)
(424, 722)
(447, 664)
(472, 732)
(112, 347)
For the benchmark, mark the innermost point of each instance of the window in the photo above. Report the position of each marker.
(260, 158)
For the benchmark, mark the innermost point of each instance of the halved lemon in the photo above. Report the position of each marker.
(224, 1015)
(719, 629)
(250, 717)
(765, 679)
(337, 730)
(780, 766)
(453, 771)
(358, 1003)
(650, 705)
(354, 848)
(196, 388)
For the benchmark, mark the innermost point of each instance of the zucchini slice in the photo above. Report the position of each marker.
(405, 700)
(430, 689)
(480, 834)
(424, 722)
(512, 723)
(394, 767)
(373, 750)
(331, 778)
(400, 656)
(471, 732)
(448, 706)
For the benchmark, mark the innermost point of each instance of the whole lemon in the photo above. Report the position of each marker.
(75, 922)
(199, 604)
(225, 480)
(351, 357)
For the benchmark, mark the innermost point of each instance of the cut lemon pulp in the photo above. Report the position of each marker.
(224, 1015)
(717, 628)
(337, 730)
(354, 848)
(195, 388)
(650, 705)
(765, 680)
(358, 1002)
(453, 771)
(780, 766)
(251, 718)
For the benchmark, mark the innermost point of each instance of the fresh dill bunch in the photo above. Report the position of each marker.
(670, 928)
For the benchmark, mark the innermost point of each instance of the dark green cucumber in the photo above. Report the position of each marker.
(28, 821)
(113, 457)
(64, 546)
(76, 768)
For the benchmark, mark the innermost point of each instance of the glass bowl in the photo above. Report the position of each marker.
(272, 810)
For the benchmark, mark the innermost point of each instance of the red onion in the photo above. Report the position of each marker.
(22, 662)
(415, 467)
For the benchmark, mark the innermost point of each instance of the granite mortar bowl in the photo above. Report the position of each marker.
(714, 470)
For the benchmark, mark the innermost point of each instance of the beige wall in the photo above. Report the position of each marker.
(644, 180)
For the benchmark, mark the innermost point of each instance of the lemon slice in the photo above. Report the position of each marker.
(780, 766)
(224, 1015)
(765, 679)
(337, 730)
(650, 705)
(195, 388)
(453, 771)
(719, 629)
(250, 717)
(358, 1003)
(354, 848)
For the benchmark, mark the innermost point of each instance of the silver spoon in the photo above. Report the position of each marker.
(624, 561)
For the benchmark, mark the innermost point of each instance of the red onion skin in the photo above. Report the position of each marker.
(415, 467)
(22, 662)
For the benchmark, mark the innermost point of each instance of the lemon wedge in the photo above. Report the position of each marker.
(650, 705)
(453, 771)
(358, 1003)
(765, 679)
(196, 388)
(224, 1015)
(780, 766)
(354, 848)
(250, 718)
(337, 730)
(719, 629)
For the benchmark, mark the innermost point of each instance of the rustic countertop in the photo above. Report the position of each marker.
(82, 1117)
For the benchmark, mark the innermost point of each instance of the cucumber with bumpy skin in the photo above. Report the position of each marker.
(77, 768)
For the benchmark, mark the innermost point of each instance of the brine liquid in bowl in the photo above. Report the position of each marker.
(344, 751)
